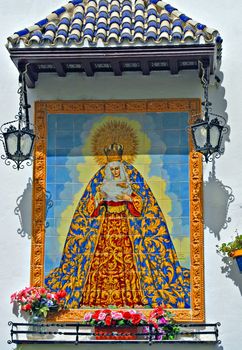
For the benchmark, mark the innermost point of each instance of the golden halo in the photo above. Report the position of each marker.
(111, 132)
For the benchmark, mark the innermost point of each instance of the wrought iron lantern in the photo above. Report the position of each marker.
(206, 132)
(18, 135)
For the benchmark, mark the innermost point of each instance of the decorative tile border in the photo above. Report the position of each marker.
(193, 107)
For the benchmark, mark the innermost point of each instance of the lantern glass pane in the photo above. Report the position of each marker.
(26, 144)
(200, 135)
(12, 143)
(214, 136)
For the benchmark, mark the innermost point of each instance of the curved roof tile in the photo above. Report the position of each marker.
(113, 22)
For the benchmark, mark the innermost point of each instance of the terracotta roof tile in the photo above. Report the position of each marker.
(114, 22)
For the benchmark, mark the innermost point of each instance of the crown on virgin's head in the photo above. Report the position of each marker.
(114, 152)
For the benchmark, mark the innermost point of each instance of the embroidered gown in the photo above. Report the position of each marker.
(120, 252)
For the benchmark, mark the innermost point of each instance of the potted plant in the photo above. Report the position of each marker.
(164, 327)
(36, 303)
(233, 249)
(115, 324)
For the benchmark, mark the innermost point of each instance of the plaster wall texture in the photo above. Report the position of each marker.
(223, 290)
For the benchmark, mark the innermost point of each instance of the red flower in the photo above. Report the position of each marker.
(61, 294)
(107, 311)
(26, 307)
(135, 318)
(108, 320)
(127, 315)
(96, 314)
(155, 325)
(159, 311)
(42, 290)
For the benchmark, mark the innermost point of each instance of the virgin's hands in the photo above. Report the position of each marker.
(122, 185)
(124, 197)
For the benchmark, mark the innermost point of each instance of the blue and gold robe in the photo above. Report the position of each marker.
(120, 253)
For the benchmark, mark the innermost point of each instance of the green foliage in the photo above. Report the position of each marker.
(171, 330)
(230, 247)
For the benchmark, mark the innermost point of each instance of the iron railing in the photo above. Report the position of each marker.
(77, 333)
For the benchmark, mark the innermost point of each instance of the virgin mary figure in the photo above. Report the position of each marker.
(118, 250)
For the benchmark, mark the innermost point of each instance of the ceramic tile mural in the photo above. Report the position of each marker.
(118, 232)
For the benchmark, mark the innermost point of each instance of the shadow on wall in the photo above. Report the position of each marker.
(24, 209)
(219, 106)
(230, 270)
(217, 196)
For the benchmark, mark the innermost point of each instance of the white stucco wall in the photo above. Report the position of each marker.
(223, 293)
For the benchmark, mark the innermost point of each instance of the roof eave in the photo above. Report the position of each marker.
(118, 60)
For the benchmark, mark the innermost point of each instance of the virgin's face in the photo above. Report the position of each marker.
(115, 170)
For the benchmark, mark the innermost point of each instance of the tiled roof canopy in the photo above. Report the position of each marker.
(114, 36)
(115, 22)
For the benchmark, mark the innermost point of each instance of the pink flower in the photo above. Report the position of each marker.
(102, 316)
(143, 317)
(162, 320)
(161, 333)
(37, 296)
(55, 296)
(13, 297)
(88, 316)
(33, 299)
(116, 315)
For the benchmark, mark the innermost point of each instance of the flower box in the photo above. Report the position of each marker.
(237, 254)
(114, 324)
(115, 333)
(233, 249)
